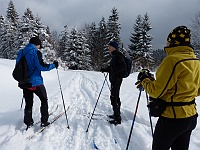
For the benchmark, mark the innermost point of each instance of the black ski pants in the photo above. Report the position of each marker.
(28, 95)
(173, 133)
(115, 100)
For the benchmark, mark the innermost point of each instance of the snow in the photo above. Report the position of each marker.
(80, 92)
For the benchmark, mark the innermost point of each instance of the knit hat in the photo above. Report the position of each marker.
(179, 36)
(36, 41)
(113, 44)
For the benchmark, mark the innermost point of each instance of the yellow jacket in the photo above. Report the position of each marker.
(177, 82)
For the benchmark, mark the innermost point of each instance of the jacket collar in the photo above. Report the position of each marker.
(179, 49)
(114, 52)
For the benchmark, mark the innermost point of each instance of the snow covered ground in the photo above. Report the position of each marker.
(80, 90)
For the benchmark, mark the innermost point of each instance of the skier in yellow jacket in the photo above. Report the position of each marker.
(177, 81)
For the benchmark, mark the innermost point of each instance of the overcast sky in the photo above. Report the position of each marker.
(164, 14)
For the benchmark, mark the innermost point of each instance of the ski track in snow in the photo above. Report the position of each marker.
(80, 91)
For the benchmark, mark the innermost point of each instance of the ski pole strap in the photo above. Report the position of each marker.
(180, 103)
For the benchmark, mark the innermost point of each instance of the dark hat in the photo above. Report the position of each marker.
(36, 41)
(113, 44)
(179, 36)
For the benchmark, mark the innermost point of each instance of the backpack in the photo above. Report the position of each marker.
(128, 62)
(20, 73)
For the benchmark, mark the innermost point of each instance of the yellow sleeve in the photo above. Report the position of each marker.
(198, 92)
(165, 79)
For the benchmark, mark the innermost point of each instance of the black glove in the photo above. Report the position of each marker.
(55, 62)
(145, 73)
(103, 70)
(139, 85)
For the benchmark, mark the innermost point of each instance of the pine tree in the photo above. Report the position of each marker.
(15, 34)
(27, 28)
(12, 15)
(2, 37)
(12, 18)
(83, 52)
(55, 41)
(196, 43)
(140, 47)
(63, 52)
(148, 60)
(195, 37)
(102, 46)
(44, 34)
(158, 55)
(72, 50)
(135, 46)
(113, 27)
(113, 33)
(93, 42)
(48, 50)
(78, 52)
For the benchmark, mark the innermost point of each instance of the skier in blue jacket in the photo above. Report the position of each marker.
(35, 66)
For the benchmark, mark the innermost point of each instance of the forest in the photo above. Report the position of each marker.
(84, 48)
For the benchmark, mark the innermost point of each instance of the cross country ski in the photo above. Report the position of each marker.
(51, 122)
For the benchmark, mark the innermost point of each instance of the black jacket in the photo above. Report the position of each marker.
(117, 66)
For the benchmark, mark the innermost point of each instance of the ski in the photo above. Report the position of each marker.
(51, 113)
(98, 116)
(52, 121)
(95, 146)
(115, 142)
(43, 128)
(95, 116)
(104, 118)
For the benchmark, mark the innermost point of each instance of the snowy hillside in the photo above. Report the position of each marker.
(80, 90)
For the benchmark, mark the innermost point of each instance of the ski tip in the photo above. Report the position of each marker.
(95, 146)
(115, 141)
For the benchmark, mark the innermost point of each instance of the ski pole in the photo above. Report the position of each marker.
(62, 99)
(97, 102)
(149, 115)
(106, 81)
(140, 88)
(22, 102)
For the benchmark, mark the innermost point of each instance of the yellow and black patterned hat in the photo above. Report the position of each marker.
(179, 36)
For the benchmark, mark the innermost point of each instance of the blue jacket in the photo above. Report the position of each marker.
(35, 63)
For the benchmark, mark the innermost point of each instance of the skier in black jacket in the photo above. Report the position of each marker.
(116, 70)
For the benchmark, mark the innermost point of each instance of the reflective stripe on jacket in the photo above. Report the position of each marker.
(179, 85)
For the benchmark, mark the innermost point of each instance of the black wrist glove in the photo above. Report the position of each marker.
(138, 85)
(55, 63)
(103, 70)
(145, 73)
